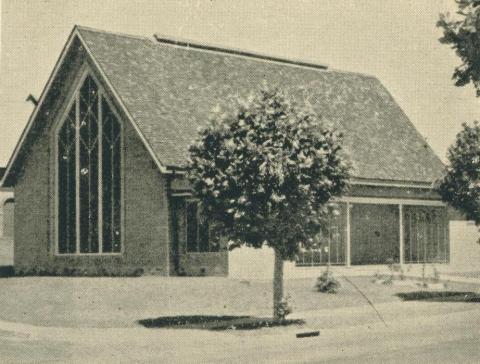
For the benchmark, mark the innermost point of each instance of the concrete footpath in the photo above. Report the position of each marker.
(411, 330)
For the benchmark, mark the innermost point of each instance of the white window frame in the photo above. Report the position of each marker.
(74, 97)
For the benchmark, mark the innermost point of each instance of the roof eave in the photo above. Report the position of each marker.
(391, 183)
(176, 170)
(7, 176)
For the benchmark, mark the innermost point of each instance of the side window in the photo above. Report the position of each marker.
(198, 232)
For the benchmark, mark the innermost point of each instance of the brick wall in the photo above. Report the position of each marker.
(146, 223)
(145, 218)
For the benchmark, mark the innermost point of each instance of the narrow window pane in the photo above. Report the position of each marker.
(111, 169)
(107, 187)
(66, 185)
(424, 237)
(88, 139)
(88, 167)
(116, 182)
(203, 238)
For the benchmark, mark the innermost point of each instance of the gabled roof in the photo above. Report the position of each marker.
(168, 89)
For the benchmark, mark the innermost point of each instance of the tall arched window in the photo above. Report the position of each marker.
(89, 175)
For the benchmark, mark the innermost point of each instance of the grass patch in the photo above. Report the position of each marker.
(216, 323)
(440, 296)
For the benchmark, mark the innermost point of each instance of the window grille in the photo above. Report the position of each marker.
(89, 175)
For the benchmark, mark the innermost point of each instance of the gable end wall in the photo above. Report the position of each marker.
(146, 223)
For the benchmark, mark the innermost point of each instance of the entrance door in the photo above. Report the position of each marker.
(374, 234)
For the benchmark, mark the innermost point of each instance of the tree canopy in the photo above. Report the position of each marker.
(461, 183)
(265, 170)
(463, 34)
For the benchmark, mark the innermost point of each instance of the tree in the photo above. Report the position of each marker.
(264, 173)
(463, 34)
(460, 185)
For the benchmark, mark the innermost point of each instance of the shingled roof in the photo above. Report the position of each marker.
(170, 90)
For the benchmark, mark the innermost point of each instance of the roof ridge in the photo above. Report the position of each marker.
(337, 70)
(96, 30)
(216, 48)
(221, 49)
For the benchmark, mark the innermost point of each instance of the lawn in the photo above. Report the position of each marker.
(122, 302)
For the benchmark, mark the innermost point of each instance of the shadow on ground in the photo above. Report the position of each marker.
(440, 296)
(216, 323)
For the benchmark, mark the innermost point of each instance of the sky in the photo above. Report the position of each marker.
(395, 40)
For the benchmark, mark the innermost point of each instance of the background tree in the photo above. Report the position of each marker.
(264, 173)
(463, 34)
(461, 184)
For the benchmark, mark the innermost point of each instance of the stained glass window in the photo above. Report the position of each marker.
(67, 185)
(89, 175)
(111, 156)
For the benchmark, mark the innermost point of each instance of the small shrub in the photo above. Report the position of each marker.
(327, 283)
(436, 275)
(434, 279)
(424, 276)
(138, 272)
(44, 272)
(284, 309)
(396, 270)
(67, 271)
(377, 276)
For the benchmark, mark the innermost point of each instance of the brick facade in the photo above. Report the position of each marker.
(146, 224)
(145, 204)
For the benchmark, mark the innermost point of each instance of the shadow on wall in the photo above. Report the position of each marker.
(6, 230)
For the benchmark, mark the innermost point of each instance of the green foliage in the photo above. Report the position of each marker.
(460, 186)
(327, 283)
(463, 35)
(265, 171)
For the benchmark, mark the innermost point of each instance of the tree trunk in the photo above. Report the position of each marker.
(277, 283)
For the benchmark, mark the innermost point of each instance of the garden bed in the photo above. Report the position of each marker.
(216, 323)
(440, 296)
